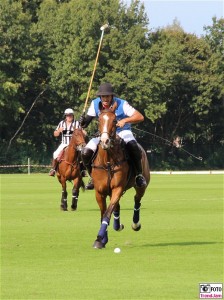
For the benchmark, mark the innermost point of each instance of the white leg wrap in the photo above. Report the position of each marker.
(135, 225)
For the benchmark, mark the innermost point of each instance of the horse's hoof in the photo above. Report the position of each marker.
(98, 245)
(74, 203)
(136, 226)
(121, 227)
(63, 208)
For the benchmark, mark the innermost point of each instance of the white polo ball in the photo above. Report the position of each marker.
(117, 250)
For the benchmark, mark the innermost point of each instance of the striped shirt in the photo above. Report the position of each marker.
(67, 131)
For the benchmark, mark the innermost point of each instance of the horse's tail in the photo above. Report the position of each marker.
(82, 185)
(145, 164)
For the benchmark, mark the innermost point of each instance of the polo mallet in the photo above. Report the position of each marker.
(94, 69)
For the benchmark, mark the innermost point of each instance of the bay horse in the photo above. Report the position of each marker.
(69, 169)
(112, 175)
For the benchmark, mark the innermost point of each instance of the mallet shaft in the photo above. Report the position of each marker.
(94, 68)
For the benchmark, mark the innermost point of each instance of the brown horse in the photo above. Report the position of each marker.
(69, 169)
(113, 174)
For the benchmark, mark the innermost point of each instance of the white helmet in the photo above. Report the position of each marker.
(69, 111)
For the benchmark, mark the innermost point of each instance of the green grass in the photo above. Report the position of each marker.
(48, 254)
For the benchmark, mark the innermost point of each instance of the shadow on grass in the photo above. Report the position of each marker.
(181, 244)
(122, 209)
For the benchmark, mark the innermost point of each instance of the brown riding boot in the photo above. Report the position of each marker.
(54, 167)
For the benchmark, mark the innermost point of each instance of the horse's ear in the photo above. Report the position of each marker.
(114, 106)
(100, 106)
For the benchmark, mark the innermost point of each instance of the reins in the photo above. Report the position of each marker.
(76, 148)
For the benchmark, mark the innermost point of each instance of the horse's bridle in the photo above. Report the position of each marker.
(111, 136)
(80, 146)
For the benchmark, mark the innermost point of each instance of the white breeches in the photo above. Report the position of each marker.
(60, 148)
(126, 135)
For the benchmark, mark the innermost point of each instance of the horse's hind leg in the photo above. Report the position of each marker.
(117, 225)
(64, 204)
(75, 195)
(136, 226)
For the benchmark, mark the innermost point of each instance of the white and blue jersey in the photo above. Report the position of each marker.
(123, 110)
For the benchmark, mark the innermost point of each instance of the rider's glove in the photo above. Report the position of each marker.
(82, 120)
(85, 120)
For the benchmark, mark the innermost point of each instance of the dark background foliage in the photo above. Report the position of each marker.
(48, 49)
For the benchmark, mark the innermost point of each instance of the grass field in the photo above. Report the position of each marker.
(48, 254)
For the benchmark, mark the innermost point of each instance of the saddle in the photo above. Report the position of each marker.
(127, 157)
(82, 167)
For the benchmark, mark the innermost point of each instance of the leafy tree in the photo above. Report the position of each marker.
(214, 34)
(180, 101)
(215, 89)
(22, 74)
(48, 48)
(31, 7)
(18, 62)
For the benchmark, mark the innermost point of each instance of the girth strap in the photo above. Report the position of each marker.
(111, 166)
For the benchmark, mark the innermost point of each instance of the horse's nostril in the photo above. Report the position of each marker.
(104, 140)
(105, 144)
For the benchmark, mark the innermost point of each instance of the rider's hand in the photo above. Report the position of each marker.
(121, 123)
(58, 131)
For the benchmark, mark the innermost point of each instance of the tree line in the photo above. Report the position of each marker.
(48, 49)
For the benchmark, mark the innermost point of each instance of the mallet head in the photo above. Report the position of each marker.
(104, 27)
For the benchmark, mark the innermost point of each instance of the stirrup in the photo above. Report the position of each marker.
(140, 181)
(52, 172)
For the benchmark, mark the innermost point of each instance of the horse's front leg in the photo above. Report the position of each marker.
(136, 225)
(64, 204)
(102, 237)
(75, 194)
(117, 225)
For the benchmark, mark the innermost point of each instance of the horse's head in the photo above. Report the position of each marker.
(78, 139)
(107, 127)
